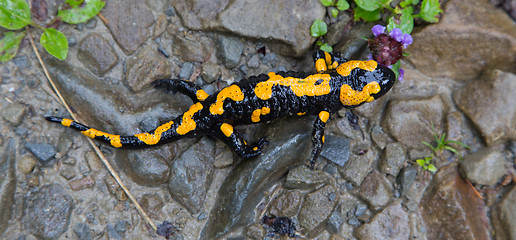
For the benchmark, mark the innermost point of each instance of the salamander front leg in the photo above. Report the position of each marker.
(227, 134)
(318, 136)
(187, 88)
(326, 61)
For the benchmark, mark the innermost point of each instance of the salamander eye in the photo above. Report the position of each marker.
(386, 78)
(318, 82)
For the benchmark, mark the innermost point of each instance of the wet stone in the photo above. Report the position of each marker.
(83, 183)
(392, 159)
(161, 25)
(286, 204)
(489, 103)
(451, 205)
(186, 70)
(26, 164)
(406, 178)
(97, 54)
(316, 209)
(223, 159)
(376, 190)
(7, 183)
(255, 232)
(390, 223)
(357, 168)
(129, 30)
(149, 65)
(149, 123)
(336, 149)
(47, 212)
(83, 231)
(305, 178)
(336, 220)
(192, 48)
(504, 216)
(485, 166)
(210, 72)
(408, 121)
(67, 172)
(13, 113)
(93, 161)
(114, 188)
(229, 49)
(191, 175)
(42, 151)
(152, 204)
(379, 137)
(148, 167)
(21, 61)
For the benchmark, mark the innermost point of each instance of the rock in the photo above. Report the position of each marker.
(160, 27)
(305, 178)
(255, 232)
(449, 49)
(244, 187)
(336, 149)
(489, 103)
(83, 183)
(21, 61)
(452, 206)
(145, 68)
(390, 223)
(67, 172)
(287, 204)
(379, 137)
(336, 220)
(316, 209)
(406, 179)
(7, 183)
(292, 20)
(97, 54)
(191, 175)
(129, 22)
(93, 161)
(409, 121)
(504, 216)
(83, 231)
(376, 190)
(358, 167)
(43, 152)
(193, 48)
(47, 212)
(224, 158)
(485, 166)
(229, 50)
(392, 159)
(211, 71)
(13, 113)
(114, 188)
(152, 204)
(147, 167)
(26, 164)
(186, 70)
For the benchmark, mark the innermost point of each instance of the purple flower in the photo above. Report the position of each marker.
(401, 73)
(406, 40)
(377, 30)
(396, 33)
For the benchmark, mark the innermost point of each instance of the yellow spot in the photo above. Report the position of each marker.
(232, 92)
(324, 115)
(334, 65)
(301, 113)
(327, 57)
(313, 85)
(153, 138)
(255, 148)
(201, 95)
(66, 122)
(350, 97)
(346, 68)
(322, 139)
(227, 129)
(320, 65)
(188, 124)
(255, 116)
(114, 140)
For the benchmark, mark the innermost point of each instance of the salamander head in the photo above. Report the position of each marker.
(367, 81)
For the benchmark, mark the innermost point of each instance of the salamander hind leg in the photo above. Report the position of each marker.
(189, 89)
(226, 133)
(318, 136)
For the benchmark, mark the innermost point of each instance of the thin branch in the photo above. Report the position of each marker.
(97, 150)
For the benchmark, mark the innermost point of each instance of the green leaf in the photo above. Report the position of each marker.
(421, 162)
(405, 21)
(55, 43)
(432, 168)
(457, 142)
(14, 14)
(74, 3)
(82, 13)
(429, 11)
(334, 12)
(342, 5)
(369, 5)
(369, 16)
(319, 28)
(327, 3)
(451, 149)
(429, 145)
(327, 48)
(9, 45)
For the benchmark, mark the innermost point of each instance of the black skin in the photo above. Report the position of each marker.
(283, 102)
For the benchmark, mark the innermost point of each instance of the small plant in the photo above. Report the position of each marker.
(442, 144)
(16, 15)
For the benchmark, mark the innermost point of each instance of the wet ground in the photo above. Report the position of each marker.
(460, 78)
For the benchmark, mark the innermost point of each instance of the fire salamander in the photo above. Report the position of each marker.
(338, 83)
